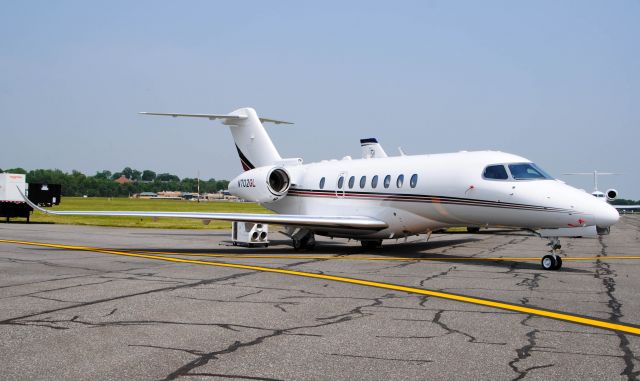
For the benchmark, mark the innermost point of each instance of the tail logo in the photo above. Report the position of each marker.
(246, 164)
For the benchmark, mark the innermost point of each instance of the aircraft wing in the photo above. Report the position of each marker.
(619, 207)
(345, 222)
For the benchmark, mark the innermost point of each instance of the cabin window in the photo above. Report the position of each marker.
(363, 181)
(387, 181)
(414, 180)
(322, 183)
(374, 181)
(495, 172)
(352, 180)
(528, 171)
(340, 182)
(399, 181)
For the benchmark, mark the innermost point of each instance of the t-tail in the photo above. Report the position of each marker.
(371, 148)
(254, 145)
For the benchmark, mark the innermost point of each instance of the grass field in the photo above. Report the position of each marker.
(130, 204)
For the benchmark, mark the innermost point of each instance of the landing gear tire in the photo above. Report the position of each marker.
(548, 262)
(551, 262)
(558, 263)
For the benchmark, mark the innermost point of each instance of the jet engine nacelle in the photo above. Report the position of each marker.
(263, 185)
(611, 194)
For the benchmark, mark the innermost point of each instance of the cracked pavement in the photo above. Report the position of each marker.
(70, 315)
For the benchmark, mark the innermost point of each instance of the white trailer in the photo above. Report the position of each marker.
(11, 202)
(9, 185)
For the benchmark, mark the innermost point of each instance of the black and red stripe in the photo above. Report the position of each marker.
(403, 197)
(246, 164)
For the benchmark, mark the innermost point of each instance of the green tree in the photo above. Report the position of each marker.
(128, 173)
(16, 170)
(101, 184)
(103, 175)
(622, 201)
(167, 177)
(148, 175)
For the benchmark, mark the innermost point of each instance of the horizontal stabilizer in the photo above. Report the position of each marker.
(229, 119)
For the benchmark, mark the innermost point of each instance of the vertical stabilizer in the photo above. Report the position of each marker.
(371, 148)
(254, 145)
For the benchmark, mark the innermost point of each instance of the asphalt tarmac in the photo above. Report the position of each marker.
(81, 303)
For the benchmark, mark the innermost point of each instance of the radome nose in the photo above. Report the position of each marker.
(606, 215)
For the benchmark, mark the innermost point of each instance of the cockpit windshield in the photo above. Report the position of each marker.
(528, 171)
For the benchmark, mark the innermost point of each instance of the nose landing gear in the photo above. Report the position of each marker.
(553, 261)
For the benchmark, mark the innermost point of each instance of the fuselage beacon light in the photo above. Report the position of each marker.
(388, 197)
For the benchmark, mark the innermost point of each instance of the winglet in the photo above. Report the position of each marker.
(31, 204)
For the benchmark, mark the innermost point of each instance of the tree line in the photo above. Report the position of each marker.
(102, 184)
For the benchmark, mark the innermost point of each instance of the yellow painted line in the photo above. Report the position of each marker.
(443, 295)
(380, 258)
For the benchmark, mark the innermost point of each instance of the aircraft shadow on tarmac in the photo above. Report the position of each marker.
(414, 249)
(204, 233)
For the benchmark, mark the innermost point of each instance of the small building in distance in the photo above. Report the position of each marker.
(169, 195)
(212, 196)
(147, 195)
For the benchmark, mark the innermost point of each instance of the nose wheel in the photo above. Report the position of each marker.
(553, 261)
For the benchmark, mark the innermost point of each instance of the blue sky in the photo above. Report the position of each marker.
(555, 81)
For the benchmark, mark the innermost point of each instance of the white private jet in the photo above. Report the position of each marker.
(380, 197)
(609, 196)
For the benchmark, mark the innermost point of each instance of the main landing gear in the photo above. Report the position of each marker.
(553, 261)
(301, 238)
(304, 242)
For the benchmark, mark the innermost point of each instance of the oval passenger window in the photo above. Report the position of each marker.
(414, 180)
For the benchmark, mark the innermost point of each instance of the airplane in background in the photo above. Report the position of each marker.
(609, 196)
(380, 197)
